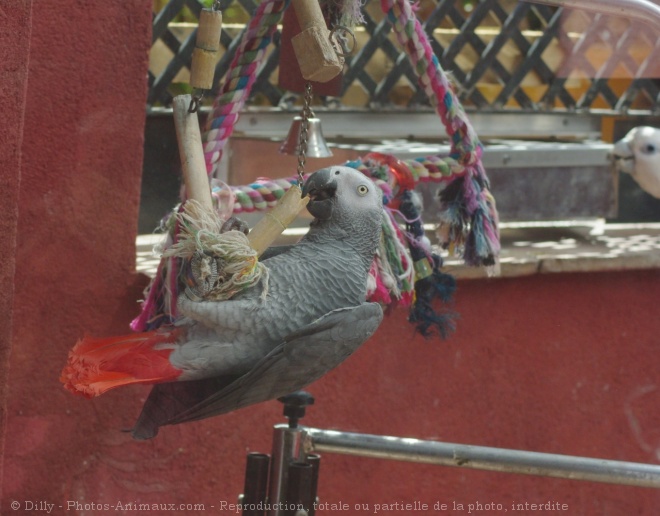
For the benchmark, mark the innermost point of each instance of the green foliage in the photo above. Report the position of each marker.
(180, 88)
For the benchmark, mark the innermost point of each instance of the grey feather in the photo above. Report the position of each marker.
(248, 349)
(301, 359)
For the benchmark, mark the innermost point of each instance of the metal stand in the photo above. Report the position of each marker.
(293, 478)
(294, 467)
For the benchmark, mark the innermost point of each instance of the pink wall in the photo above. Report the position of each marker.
(561, 363)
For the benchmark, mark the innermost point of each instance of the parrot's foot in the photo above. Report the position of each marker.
(235, 224)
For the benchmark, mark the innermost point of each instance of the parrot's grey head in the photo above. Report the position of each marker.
(638, 154)
(342, 191)
(346, 206)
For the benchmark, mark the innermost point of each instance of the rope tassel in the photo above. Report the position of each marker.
(469, 212)
(430, 282)
(218, 265)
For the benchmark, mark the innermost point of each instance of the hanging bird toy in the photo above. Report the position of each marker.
(225, 322)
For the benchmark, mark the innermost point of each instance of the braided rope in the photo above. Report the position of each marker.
(469, 213)
(240, 79)
(260, 195)
(411, 35)
(263, 194)
(160, 303)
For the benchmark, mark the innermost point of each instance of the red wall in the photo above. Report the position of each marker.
(561, 363)
(79, 170)
(14, 53)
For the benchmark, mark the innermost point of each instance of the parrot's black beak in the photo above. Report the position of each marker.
(321, 187)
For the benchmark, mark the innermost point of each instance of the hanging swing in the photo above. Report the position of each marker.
(405, 270)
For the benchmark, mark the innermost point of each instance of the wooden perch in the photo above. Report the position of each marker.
(191, 152)
(207, 49)
(266, 231)
(317, 57)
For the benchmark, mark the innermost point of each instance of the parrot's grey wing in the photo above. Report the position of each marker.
(301, 359)
(166, 400)
(304, 357)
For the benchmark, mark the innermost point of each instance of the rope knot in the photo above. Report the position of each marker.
(470, 157)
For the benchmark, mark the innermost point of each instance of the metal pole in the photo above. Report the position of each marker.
(640, 10)
(315, 461)
(287, 448)
(299, 489)
(481, 457)
(255, 489)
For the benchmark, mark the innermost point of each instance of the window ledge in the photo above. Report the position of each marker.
(571, 246)
(527, 248)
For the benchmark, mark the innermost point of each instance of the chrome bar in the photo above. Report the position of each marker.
(287, 448)
(640, 10)
(481, 457)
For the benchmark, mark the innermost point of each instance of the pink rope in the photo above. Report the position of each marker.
(468, 210)
(436, 85)
(242, 74)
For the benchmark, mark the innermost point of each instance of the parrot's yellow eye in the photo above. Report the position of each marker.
(362, 190)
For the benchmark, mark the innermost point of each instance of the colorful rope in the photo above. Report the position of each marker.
(466, 149)
(469, 212)
(469, 218)
(262, 194)
(159, 306)
(240, 78)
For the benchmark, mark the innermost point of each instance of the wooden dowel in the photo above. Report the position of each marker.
(192, 154)
(316, 56)
(207, 49)
(309, 14)
(273, 223)
(208, 31)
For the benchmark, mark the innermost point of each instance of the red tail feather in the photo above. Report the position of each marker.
(97, 365)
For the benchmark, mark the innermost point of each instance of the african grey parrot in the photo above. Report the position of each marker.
(638, 154)
(221, 356)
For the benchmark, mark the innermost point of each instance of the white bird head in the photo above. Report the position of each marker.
(638, 154)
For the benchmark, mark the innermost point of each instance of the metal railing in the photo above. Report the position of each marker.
(286, 482)
(483, 457)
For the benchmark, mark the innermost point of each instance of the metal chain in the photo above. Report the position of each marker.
(306, 114)
(195, 100)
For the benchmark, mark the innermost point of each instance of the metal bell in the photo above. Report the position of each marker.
(317, 147)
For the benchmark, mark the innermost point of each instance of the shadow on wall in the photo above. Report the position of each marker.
(161, 173)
